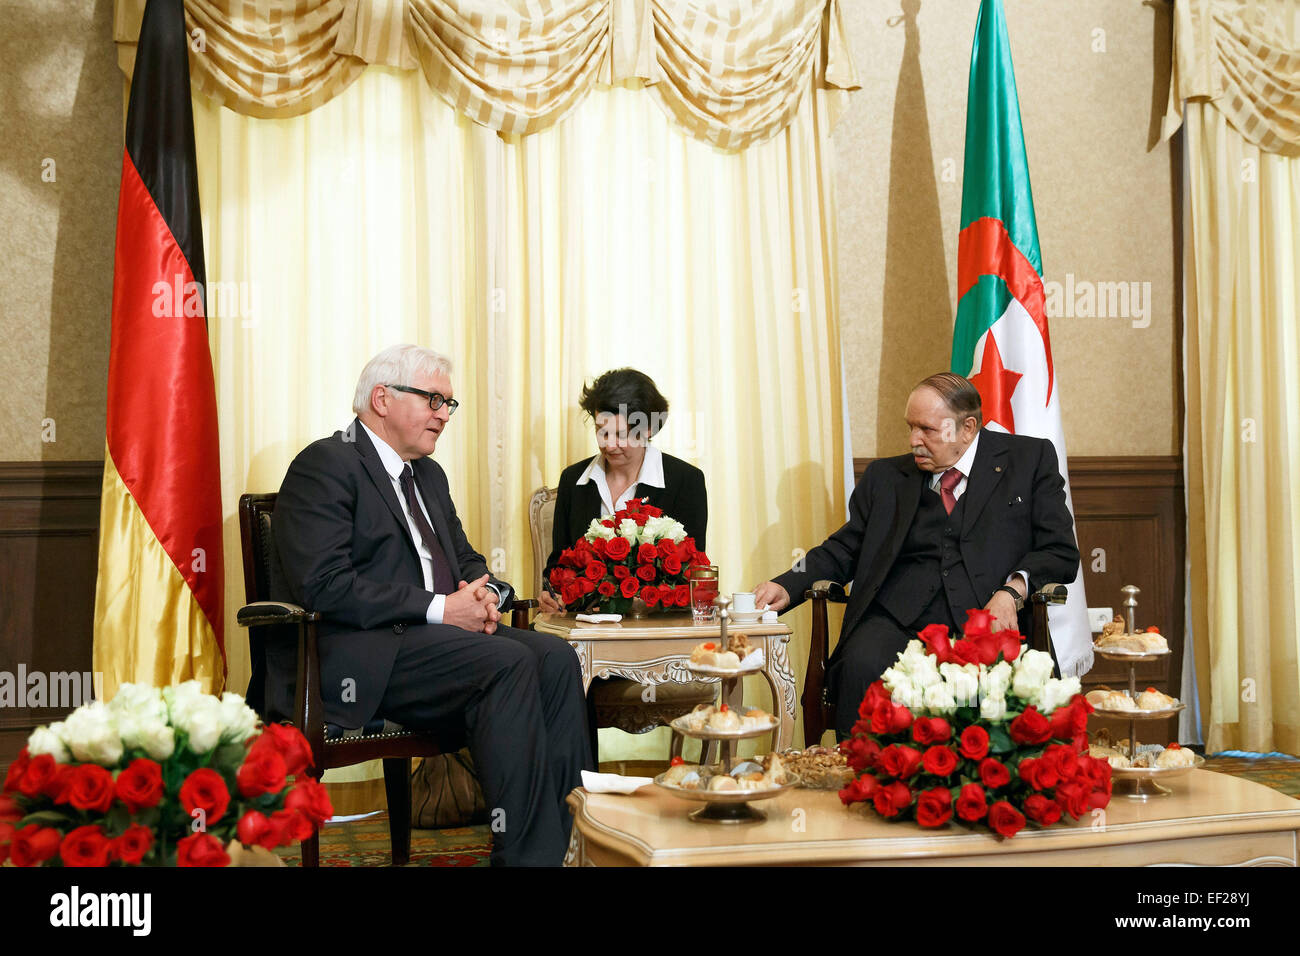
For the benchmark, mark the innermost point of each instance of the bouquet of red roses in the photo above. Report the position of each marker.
(158, 777)
(977, 730)
(635, 553)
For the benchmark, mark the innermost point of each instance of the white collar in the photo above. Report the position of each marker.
(388, 456)
(964, 464)
(652, 469)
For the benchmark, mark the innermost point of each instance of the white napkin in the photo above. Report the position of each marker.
(753, 659)
(769, 617)
(599, 618)
(612, 782)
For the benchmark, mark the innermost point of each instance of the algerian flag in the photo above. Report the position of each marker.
(1000, 340)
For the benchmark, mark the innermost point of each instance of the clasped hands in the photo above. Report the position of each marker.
(473, 607)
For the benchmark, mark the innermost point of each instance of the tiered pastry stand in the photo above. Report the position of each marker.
(1140, 783)
(724, 806)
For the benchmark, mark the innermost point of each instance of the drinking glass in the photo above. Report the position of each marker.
(703, 581)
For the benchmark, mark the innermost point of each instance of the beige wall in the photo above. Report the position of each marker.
(60, 101)
(1102, 193)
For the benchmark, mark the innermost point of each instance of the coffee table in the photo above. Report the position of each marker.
(1210, 818)
(655, 649)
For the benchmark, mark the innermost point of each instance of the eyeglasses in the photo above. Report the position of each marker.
(436, 401)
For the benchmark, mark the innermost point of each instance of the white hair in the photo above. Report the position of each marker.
(397, 365)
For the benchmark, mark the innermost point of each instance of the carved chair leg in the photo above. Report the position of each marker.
(397, 787)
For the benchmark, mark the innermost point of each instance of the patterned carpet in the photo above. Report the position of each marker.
(364, 842)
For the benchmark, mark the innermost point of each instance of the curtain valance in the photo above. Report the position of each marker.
(732, 72)
(1242, 57)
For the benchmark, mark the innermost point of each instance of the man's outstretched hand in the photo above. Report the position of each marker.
(473, 607)
(772, 595)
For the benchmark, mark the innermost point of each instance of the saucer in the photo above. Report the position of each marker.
(746, 617)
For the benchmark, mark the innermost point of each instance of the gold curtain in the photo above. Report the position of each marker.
(1236, 82)
(609, 239)
(731, 72)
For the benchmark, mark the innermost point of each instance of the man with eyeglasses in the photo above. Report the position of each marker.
(412, 632)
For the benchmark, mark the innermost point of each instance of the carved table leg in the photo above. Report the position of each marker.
(779, 676)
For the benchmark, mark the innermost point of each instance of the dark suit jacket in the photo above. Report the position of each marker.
(683, 497)
(347, 552)
(1014, 519)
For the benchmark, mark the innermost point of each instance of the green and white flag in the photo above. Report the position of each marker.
(1000, 340)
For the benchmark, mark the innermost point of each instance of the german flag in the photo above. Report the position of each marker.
(158, 598)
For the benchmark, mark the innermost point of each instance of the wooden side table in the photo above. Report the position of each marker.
(655, 649)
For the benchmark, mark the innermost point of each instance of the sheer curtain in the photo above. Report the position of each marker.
(612, 238)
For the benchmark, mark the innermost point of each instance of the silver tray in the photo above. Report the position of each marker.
(1155, 773)
(679, 724)
(724, 672)
(1133, 657)
(1138, 714)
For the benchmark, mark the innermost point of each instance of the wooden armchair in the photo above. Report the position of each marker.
(618, 702)
(272, 620)
(818, 714)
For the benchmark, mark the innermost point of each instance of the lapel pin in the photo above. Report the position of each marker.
(998, 468)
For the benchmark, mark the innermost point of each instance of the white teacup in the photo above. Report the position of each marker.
(742, 602)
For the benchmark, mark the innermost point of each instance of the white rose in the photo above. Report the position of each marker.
(627, 528)
(1057, 693)
(92, 736)
(926, 672)
(201, 721)
(1037, 665)
(48, 740)
(909, 696)
(993, 708)
(963, 682)
(142, 700)
(154, 737)
(598, 530)
(995, 680)
(1026, 688)
(656, 529)
(238, 720)
(894, 678)
(939, 699)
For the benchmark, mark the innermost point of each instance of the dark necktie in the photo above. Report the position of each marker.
(948, 481)
(442, 582)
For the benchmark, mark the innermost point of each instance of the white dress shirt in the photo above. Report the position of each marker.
(651, 474)
(394, 465)
(964, 464)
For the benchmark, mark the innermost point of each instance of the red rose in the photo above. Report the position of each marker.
(1009, 643)
(1027, 770)
(598, 547)
(41, 771)
(1097, 799)
(987, 647)
(892, 800)
(621, 572)
(646, 554)
(6, 837)
(640, 519)
(292, 826)
(890, 718)
(971, 804)
(86, 846)
(1031, 727)
(311, 799)
(940, 761)
(1042, 810)
(133, 844)
(596, 570)
(556, 577)
(10, 811)
(630, 586)
(978, 622)
(16, 770)
(861, 789)
(607, 523)
(874, 697)
(263, 771)
(646, 572)
(205, 790)
(289, 741)
(652, 511)
(585, 585)
(667, 549)
(616, 549)
(606, 588)
(899, 761)
(860, 753)
(672, 565)
(91, 788)
(974, 743)
(201, 849)
(1005, 819)
(994, 773)
(699, 559)
(570, 593)
(140, 785)
(1065, 760)
(931, 730)
(965, 652)
(33, 845)
(650, 595)
(934, 807)
(687, 548)
(1073, 798)
(935, 639)
(682, 595)
(254, 829)
(58, 786)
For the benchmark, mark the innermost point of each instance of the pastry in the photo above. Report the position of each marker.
(752, 781)
(723, 782)
(739, 645)
(1150, 641)
(1152, 699)
(709, 654)
(698, 717)
(776, 773)
(1106, 699)
(1175, 756)
(724, 719)
(755, 718)
(675, 774)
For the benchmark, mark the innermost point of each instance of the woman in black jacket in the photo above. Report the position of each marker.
(628, 411)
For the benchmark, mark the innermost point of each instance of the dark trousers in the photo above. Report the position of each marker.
(516, 696)
(863, 655)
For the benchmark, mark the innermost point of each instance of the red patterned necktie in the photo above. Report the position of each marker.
(948, 481)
